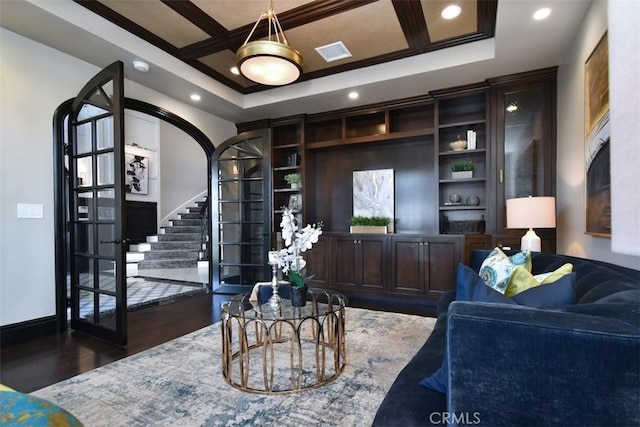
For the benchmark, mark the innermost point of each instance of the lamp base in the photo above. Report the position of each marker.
(530, 241)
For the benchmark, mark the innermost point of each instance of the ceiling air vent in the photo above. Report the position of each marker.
(333, 51)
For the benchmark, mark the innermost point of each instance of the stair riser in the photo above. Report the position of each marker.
(181, 229)
(179, 237)
(148, 265)
(170, 255)
(186, 222)
(190, 215)
(175, 246)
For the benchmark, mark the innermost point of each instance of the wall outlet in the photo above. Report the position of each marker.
(30, 210)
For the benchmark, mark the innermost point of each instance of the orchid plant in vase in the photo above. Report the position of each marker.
(296, 242)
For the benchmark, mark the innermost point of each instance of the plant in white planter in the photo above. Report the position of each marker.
(293, 179)
(462, 169)
(369, 224)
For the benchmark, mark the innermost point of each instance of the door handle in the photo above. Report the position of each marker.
(116, 241)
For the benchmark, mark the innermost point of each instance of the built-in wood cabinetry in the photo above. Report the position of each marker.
(457, 115)
(391, 265)
(513, 155)
(523, 140)
(424, 265)
(359, 262)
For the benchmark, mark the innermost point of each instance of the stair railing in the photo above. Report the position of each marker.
(204, 217)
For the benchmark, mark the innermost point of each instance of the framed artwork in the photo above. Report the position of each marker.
(596, 81)
(373, 194)
(295, 202)
(598, 139)
(136, 174)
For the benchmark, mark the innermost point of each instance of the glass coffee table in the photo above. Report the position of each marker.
(285, 349)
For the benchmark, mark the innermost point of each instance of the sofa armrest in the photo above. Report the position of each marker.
(513, 365)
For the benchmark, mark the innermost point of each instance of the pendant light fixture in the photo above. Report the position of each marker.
(269, 62)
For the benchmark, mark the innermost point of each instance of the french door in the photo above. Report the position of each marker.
(96, 200)
(241, 211)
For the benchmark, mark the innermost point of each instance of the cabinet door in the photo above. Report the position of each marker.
(525, 142)
(318, 263)
(345, 258)
(442, 260)
(372, 263)
(408, 268)
(360, 262)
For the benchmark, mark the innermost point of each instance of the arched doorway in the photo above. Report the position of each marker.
(63, 215)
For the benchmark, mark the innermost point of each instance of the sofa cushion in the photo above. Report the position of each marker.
(471, 287)
(522, 279)
(497, 268)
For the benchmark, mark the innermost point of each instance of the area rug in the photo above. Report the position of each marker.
(180, 382)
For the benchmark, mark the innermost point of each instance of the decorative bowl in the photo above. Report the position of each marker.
(458, 145)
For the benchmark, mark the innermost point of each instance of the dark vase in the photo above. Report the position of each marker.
(299, 296)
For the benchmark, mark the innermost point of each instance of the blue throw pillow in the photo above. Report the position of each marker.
(471, 287)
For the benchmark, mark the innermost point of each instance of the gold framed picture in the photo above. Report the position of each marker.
(597, 142)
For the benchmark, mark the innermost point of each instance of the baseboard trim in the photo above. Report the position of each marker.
(26, 331)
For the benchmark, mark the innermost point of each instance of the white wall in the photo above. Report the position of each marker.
(34, 81)
(184, 169)
(571, 173)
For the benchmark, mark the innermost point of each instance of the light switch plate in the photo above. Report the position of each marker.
(30, 210)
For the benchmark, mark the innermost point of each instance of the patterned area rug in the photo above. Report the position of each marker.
(180, 383)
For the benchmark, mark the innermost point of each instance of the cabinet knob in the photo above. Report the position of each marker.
(355, 242)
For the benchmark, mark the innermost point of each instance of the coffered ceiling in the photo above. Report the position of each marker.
(206, 34)
(400, 48)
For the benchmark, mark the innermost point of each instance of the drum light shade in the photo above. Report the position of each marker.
(531, 212)
(269, 62)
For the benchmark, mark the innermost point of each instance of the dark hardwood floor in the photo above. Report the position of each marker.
(41, 362)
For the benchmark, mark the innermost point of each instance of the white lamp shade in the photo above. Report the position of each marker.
(531, 212)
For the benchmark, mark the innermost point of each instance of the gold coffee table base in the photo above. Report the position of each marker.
(284, 350)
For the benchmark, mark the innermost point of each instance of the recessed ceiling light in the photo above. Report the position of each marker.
(541, 13)
(451, 11)
(196, 97)
(234, 70)
(353, 95)
(141, 66)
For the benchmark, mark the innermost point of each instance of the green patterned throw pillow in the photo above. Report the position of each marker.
(497, 268)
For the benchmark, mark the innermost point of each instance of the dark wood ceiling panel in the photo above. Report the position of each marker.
(110, 15)
(413, 24)
(219, 48)
(487, 13)
(197, 17)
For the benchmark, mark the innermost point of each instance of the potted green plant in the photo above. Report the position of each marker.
(369, 224)
(462, 169)
(293, 179)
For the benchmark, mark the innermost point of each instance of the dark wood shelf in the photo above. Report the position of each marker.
(286, 146)
(460, 181)
(462, 208)
(479, 151)
(462, 123)
(342, 142)
(286, 168)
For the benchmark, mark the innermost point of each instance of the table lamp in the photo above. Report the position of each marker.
(531, 212)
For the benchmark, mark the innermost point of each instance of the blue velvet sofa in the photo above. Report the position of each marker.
(511, 365)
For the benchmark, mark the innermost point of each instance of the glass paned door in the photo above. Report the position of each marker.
(241, 207)
(98, 279)
(525, 138)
